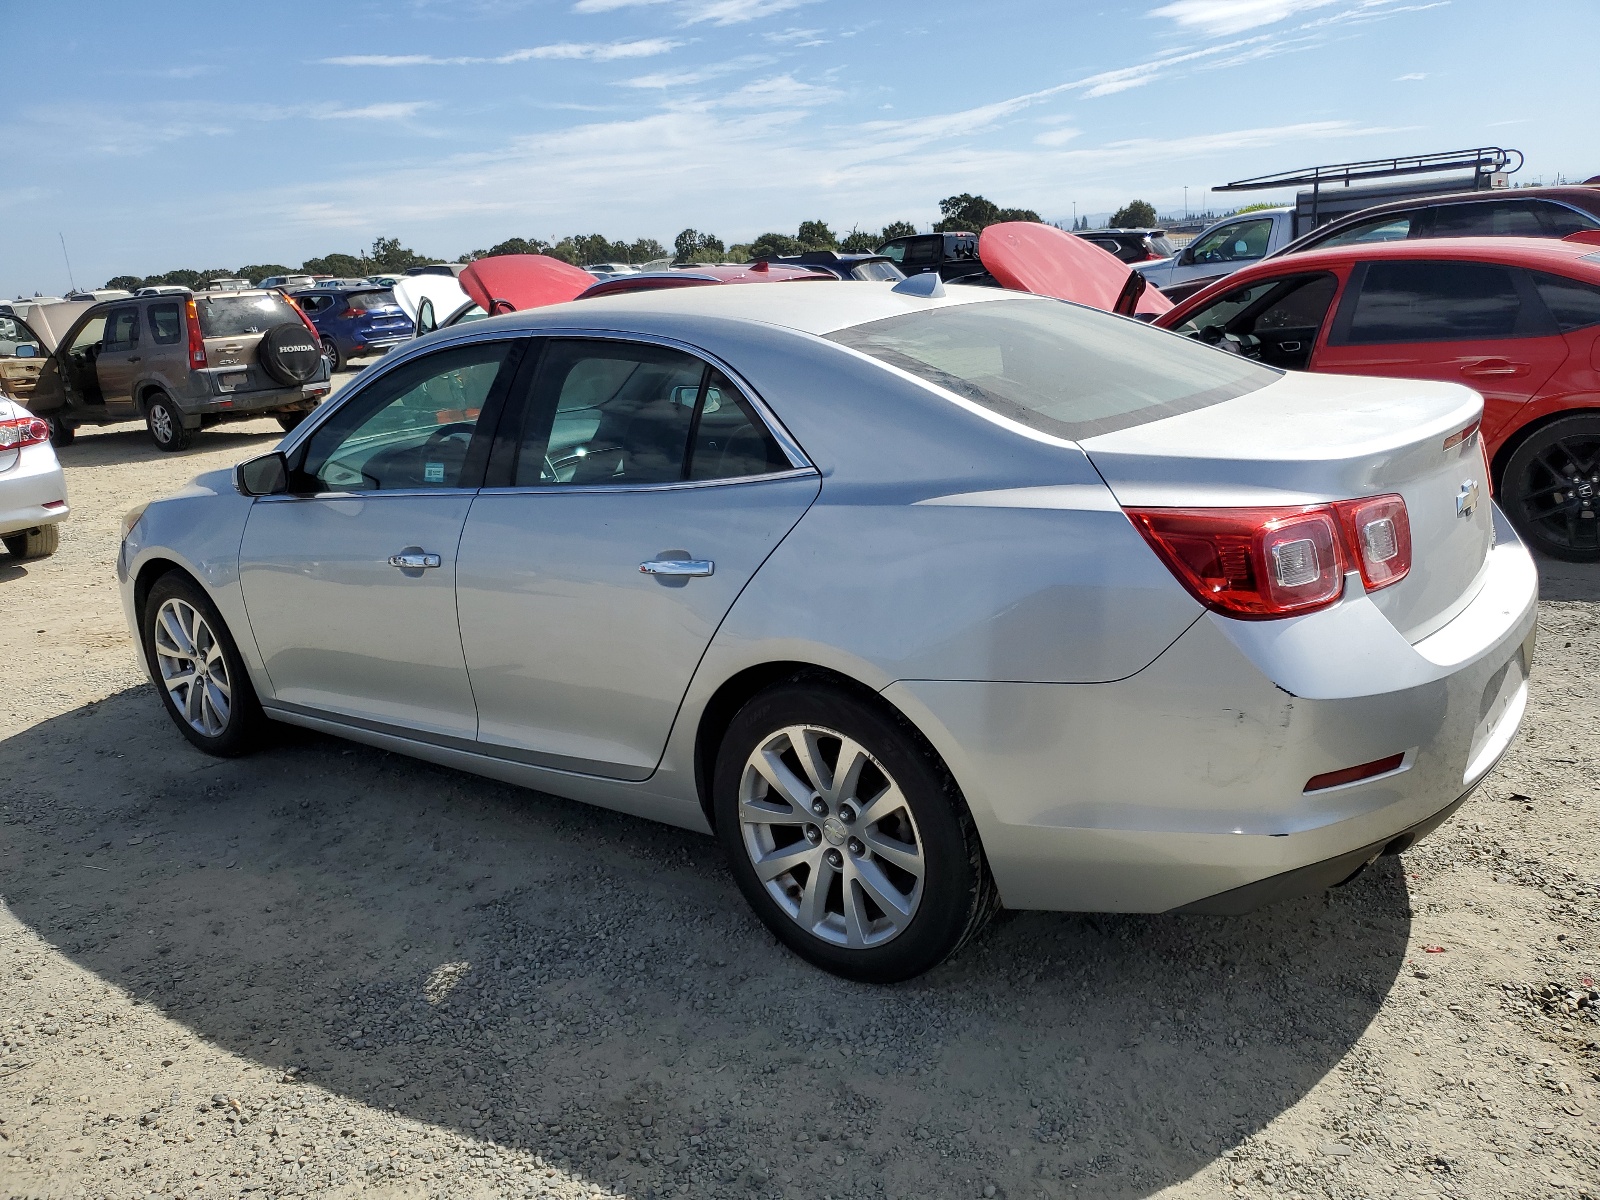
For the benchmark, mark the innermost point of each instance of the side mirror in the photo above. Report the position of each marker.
(26, 351)
(264, 476)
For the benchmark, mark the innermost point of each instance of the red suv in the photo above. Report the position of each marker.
(1518, 319)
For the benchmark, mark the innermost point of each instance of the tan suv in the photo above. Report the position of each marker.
(179, 362)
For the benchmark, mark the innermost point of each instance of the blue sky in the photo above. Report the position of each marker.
(189, 134)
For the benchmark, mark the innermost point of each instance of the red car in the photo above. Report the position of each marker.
(1517, 319)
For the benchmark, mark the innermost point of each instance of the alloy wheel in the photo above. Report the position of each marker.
(1559, 493)
(161, 422)
(831, 837)
(193, 668)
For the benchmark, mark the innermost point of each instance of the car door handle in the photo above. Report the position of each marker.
(1492, 367)
(415, 560)
(133, 358)
(681, 568)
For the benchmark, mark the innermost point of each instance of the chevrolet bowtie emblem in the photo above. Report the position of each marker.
(1467, 498)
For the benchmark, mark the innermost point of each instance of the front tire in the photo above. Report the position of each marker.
(197, 668)
(165, 423)
(61, 434)
(1551, 488)
(34, 543)
(847, 835)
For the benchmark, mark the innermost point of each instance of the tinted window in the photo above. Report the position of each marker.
(362, 301)
(1395, 227)
(610, 412)
(1488, 218)
(237, 316)
(1563, 220)
(1302, 307)
(122, 330)
(1574, 305)
(1434, 302)
(166, 324)
(730, 438)
(1058, 368)
(1234, 243)
(412, 428)
(922, 251)
(1225, 308)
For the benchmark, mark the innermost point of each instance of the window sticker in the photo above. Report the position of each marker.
(433, 472)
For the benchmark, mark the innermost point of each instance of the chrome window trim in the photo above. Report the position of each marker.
(372, 495)
(677, 485)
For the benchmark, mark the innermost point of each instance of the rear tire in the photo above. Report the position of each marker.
(1550, 488)
(61, 434)
(34, 543)
(165, 423)
(288, 421)
(873, 870)
(196, 667)
(331, 352)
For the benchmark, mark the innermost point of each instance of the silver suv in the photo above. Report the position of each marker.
(178, 362)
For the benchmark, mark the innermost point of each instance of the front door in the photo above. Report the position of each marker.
(1277, 319)
(119, 358)
(646, 492)
(349, 581)
(21, 359)
(1473, 323)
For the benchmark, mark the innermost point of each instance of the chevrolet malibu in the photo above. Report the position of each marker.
(923, 600)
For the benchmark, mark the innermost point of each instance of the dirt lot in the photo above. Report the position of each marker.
(330, 971)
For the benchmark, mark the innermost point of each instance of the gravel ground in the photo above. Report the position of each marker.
(330, 971)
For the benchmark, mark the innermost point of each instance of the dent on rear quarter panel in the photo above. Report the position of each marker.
(200, 529)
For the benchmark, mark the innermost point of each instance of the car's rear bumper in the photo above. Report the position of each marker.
(33, 492)
(1186, 781)
(306, 395)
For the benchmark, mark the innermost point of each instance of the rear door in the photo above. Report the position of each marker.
(646, 492)
(119, 357)
(1474, 323)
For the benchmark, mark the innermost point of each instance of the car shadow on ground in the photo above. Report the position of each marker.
(130, 443)
(544, 974)
(1568, 580)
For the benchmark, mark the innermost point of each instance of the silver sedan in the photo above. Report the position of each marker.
(922, 601)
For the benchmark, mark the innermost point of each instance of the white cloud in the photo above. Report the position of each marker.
(601, 6)
(1221, 18)
(591, 51)
(1412, 75)
(781, 91)
(693, 75)
(397, 111)
(799, 38)
(735, 12)
(1057, 137)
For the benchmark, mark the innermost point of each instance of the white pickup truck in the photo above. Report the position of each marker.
(1221, 249)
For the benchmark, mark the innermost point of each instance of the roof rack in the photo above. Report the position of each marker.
(1482, 161)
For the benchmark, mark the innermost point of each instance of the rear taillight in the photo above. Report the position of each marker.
(1378, 532)
(1255, 563)
(304, 320)
(23, 431)
(197, 339)
(1261, 563)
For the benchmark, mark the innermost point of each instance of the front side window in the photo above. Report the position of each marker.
(1573, 303)
(90, 336)
(122, 330)
(15, 337)
(1234, 243)
(1224, 309)
(1059, 368)
(166, 324)
(614, 413)
(896, 251)
(413, 427)
(1395, 227)
(1434, 302)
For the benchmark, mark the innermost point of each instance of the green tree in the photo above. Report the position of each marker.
(969, 213)
(256, 272)
(1257, 207)
(692, 246)
(859, 241)
(336, 264)
(895, 229)
(389, 257)
(126, 282)
(775, 245)
(815, 235)
(1136, 214)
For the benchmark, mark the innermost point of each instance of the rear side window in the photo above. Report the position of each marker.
(362, 301)
(166, 324)
(1573, 303)
(1564, 221)
(923, 250)
(1059, 368)
(1488, 218)
(1433, 302)
(1394, 227)
(238, 316)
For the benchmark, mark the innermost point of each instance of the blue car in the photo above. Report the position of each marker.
(355, 321)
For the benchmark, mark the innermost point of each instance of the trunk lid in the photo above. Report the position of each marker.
(1311, 439)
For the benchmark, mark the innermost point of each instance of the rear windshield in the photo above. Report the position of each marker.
(1060, 368)
(235, 316)
(362, 301)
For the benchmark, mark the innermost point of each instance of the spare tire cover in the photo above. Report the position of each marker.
(289, 353)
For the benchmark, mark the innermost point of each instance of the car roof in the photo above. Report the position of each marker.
(840, 304)
(1588, 195)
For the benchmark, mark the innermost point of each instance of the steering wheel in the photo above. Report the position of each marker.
(445, 432)
(1245, 345)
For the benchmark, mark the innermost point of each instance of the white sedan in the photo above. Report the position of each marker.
(33, 491)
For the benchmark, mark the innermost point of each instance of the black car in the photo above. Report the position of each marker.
(843, 266)
(1552, 212)
(1131, 245)
(953, 255)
